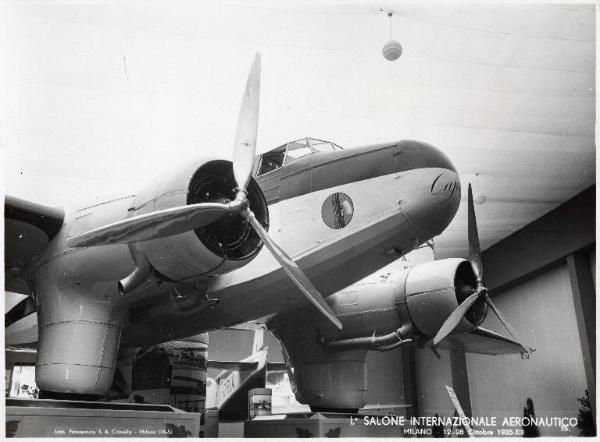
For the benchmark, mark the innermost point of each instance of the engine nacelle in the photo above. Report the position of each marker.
(83, 300)
(379, 313)
(217, 248)
(435, 289)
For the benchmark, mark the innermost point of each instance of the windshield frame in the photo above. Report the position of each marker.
(311, 145)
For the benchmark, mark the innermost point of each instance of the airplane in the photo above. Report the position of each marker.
(185, 255)
(228, 390)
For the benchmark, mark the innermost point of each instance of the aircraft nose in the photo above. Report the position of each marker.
(433, 193)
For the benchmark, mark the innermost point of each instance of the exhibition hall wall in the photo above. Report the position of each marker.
(542, 310)
(542, 278)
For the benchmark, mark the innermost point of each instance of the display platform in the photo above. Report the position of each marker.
(324, 425)
(56, 418)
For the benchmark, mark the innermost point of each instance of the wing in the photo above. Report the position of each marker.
(20, 320)
(235, 407)
(481, 341)
(231, 365)
(28, 228)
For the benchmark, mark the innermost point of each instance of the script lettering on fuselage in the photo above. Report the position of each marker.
(445, 186)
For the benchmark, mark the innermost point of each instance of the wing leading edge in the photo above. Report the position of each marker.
(28, 228)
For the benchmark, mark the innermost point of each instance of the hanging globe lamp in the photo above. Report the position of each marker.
(392, 50)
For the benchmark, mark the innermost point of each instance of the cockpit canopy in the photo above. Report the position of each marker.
(285, 154)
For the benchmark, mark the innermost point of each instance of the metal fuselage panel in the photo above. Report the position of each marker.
(402, 195)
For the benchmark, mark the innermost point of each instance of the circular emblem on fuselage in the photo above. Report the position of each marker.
(337, 210)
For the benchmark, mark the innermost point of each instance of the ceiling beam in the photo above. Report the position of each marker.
(543, 244)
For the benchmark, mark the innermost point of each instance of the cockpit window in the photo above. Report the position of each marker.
(272, 160)
(289, 152)
(323, 146)
(296, 150)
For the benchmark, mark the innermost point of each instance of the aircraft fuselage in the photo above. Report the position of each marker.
(340, 215)
(402, 194)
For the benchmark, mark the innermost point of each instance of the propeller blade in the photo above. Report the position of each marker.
(294, 272)
(452, 321)
(151, 225)
(474, 247)
(244, 147)
(506, 324)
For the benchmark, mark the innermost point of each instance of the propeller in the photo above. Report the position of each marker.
(153, 225)
(181, 219)
(480, 292)
(244, 147)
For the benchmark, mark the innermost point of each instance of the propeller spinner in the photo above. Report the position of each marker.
(480, 292)
(177, 220)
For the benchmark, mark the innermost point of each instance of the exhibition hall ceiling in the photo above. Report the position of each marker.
(104, 96)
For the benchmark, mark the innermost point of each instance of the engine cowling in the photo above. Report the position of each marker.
(217, 248)
(435, 289)
(82, 309)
